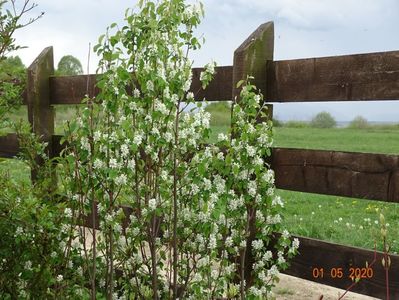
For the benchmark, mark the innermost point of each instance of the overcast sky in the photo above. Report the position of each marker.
(303, 28)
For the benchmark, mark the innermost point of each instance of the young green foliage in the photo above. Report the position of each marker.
(186, 233)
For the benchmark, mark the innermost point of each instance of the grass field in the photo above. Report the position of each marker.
(342, 220)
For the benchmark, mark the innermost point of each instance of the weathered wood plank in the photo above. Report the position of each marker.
(358, 175)
(319, 254)
(372, 76)
(219, 88)
(40, 112)
(350, 174)
(9, 146)
(251, 57)
(72, 89)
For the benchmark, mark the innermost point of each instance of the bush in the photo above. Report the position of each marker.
(359, 123)
(323, 120)
(296, 124)
(220, 113)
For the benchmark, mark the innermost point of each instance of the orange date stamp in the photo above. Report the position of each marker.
(352, 273)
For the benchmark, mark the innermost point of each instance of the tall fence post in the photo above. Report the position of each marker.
(251, 59)
(40, 112)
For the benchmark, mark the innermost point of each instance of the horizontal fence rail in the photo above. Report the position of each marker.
(348, 174)
(9, 145)
(372, 76)
(318, 254)
(72, 89)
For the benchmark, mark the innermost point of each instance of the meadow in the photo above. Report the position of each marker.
(341, 220)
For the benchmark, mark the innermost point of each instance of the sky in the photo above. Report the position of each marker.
(303, 29)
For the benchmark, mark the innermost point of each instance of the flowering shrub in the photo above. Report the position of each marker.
(201, 217)
(37, 259)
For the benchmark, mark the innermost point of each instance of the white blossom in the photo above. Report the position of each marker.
(280, 258)
(152, 204)
(285, 234)
(159, 106)
(212, 242)
(137, 139)
(28, 265)
(252, 188)
(96, 136)
(190, 96)
(295, 243)
(113, 163)
(85, 143)
(268, 177)
(150, 85)
(68, 212)
(175, 98)
(98, 164)
(121, 179)
(273, 271)
(136, 93)
(250, 151)
(124, 150)
(229, 241)
(131, 164)
(222, 137)
(257, 244)
(267, 256)
(277, 201)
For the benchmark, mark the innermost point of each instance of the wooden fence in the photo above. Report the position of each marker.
(360, 77)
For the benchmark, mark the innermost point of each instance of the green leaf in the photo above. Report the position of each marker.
(240, 83)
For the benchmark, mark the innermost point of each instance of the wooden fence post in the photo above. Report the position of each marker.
(251, 59)
(40, 112)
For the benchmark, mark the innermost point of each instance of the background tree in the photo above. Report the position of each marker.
(11, 69)
(69, 65)
(12, 81)
(359, 122)
(323, 120)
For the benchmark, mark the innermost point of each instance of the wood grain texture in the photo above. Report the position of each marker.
(40, 112)
(320, 254)
(219, 89)
(9, 146)
(72, 89)
(251, 57)
(359, 175)
(372, 76)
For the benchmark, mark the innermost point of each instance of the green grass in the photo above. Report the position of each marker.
(62, 114)
(341, 220)
(372, 140)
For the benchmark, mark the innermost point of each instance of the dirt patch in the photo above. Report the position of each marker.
(292, 288)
